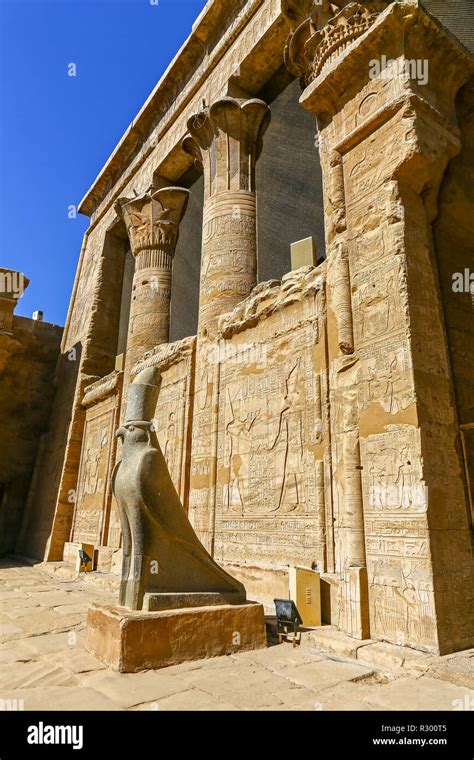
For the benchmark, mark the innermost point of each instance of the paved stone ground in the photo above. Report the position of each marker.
(43, 664)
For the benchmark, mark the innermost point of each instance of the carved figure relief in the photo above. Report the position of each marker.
(93, 478)
(270, 422)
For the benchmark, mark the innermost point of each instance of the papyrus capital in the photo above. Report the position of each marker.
(152, 220)
(224, 140)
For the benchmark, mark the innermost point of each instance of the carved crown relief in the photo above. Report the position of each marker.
(152, 221)
(325, 33)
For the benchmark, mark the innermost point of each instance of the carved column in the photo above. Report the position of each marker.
(224, 142)
(381, 79)
(152, 223)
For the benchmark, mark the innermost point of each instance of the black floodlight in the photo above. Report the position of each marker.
(288, 618)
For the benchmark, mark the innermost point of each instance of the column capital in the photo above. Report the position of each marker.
(325, 31)
(153, 219)
(375, 48)
(224, 141)
(376, 63)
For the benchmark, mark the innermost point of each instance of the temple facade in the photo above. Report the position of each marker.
(277, 233)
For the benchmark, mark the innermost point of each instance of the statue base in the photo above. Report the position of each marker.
(157, 602)
(128, 641)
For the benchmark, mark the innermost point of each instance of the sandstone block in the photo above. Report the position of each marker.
(131, 641)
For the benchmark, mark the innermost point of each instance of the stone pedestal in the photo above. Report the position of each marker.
(128, 642)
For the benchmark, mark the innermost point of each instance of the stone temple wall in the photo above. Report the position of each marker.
(322, 418)
(29, 350)
(457, 16)
(272, 504)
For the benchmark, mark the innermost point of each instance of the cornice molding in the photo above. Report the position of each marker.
(164, 356)
(269, 297)
(193, 63)
(102, 389)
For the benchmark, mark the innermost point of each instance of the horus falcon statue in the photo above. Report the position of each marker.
(165, 566)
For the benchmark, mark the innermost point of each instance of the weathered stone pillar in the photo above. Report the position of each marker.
(381, 79)
(224, 142)
(152, 223)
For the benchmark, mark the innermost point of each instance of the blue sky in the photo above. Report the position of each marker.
(57, 131)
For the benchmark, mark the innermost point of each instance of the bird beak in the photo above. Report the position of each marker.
(121, 432)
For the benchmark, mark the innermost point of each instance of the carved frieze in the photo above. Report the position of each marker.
(165, 355)
(269, 297)
(102, 389)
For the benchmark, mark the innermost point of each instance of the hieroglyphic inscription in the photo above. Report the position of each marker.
(93, 494)
(171, 418)
(270, 500)
(397, 537)
(228, 273)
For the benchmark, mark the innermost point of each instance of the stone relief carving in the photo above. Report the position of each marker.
(326, 33)
(93, 508)
(270, 484)
(93, 478)
(175, 362)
